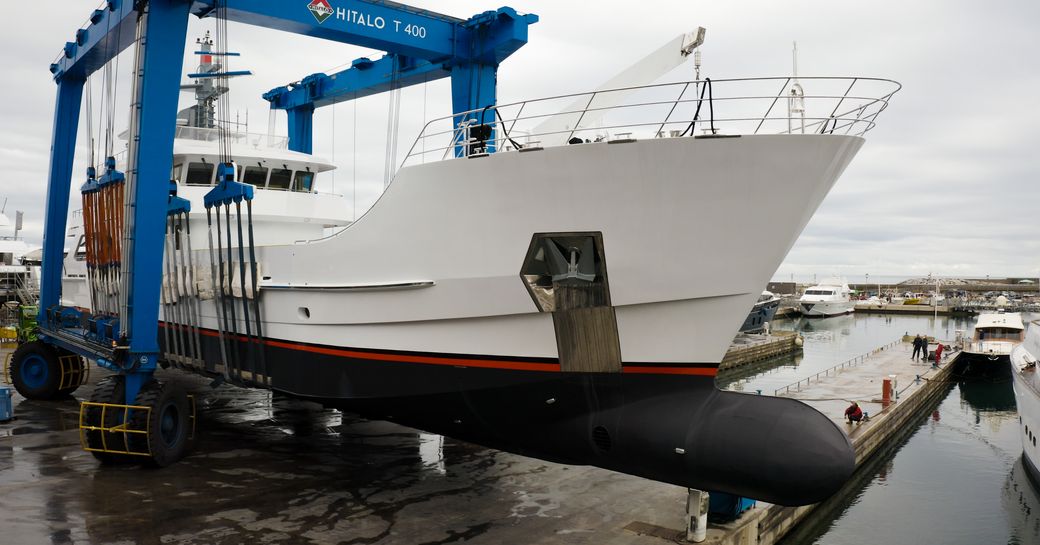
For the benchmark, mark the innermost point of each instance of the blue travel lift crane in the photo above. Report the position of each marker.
(127, 213)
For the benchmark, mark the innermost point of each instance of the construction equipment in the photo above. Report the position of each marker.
(127, 212)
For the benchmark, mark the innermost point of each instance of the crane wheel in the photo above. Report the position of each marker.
(169, 423)
(35, 371)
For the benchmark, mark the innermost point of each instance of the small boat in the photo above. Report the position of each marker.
(996, 335)
(1023, 359)
(831, 298)
(762, 313)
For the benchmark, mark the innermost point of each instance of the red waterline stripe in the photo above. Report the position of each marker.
(403, 358)
(399, 358)
(458, 362)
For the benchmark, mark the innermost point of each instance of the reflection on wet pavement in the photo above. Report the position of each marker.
(270, 469)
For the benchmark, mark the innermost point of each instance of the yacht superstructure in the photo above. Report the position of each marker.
(294, 203)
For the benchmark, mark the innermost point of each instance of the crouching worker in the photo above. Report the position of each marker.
(854, 413)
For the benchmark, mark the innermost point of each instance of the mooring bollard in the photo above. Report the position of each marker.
(696, 515)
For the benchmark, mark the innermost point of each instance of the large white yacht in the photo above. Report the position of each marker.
(1026, 377)
(566, 298)
(831, 298)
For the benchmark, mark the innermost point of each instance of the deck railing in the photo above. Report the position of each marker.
(797, 386)
(712, 108)
(254, 140)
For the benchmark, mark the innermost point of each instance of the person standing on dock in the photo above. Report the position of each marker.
(854, 413)
(917, 347)
(938, 355)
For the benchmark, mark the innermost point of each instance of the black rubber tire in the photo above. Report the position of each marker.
(107, 390)
(168, 423)
(79, 366)
(35, 371)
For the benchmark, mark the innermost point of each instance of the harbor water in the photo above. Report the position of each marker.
(957, 478)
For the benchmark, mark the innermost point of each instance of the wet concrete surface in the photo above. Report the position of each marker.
(269, 469)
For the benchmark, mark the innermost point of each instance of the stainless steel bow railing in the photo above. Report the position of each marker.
(779, 105)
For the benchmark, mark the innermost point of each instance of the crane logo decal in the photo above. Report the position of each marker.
(321, 9)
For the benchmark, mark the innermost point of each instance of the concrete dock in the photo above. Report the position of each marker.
(269, 469)
(919, 387)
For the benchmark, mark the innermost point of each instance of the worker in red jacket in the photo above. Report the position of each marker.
(854, 413)
(938, 354)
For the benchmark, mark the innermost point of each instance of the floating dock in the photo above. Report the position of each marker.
(917, 387)
(748, 348)
(892, 308)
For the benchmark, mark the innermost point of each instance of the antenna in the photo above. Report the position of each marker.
(796, 97)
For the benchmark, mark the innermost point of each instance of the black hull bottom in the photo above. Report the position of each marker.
(679, 430)
(666, 422)
(983, 366)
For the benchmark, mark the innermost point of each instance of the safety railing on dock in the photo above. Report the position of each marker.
(830, 371)
(707, 108)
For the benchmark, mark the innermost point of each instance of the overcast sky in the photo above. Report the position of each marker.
(945, 184)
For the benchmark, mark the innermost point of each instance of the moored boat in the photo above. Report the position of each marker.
(996, 334)
(830, 298)
(762, 313)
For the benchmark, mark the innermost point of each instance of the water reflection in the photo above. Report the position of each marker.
(1022, 503)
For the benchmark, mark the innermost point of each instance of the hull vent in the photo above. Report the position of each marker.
(601, 437)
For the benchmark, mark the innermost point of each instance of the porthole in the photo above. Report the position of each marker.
(305, 313)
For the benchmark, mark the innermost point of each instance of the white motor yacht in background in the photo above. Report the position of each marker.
(831, 298)
(1024, 374)
(996, 335)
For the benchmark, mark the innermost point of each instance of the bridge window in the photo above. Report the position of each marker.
(281, 178)
(303, 181)
(199, 174)
(256, 176)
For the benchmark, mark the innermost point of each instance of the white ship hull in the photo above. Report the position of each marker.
(673, 213)
(826, 308)
(1027, 398)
